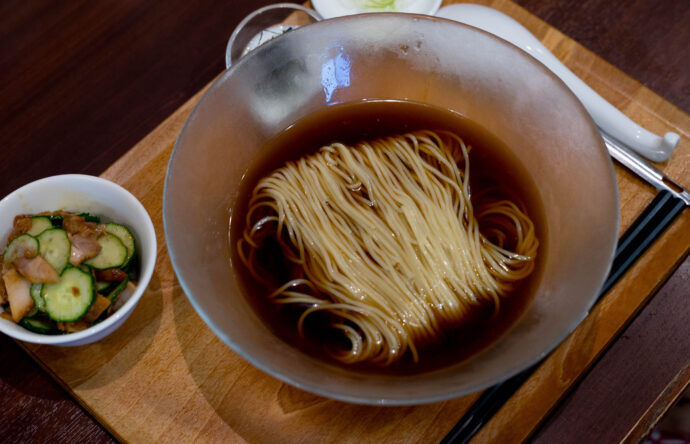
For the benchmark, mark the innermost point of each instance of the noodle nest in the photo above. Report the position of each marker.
(383, 239)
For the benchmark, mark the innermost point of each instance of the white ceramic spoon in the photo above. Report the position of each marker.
(609, 119)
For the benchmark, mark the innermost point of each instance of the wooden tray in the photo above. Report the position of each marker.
(164, 376)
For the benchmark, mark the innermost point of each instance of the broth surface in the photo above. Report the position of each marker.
(491, 164)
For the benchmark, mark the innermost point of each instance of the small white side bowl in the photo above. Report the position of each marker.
(81, 193)
(336, 8)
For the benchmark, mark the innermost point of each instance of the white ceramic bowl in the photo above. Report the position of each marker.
(76, 192)
(337, 8)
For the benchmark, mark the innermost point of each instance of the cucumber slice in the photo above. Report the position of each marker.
(113, 253)
(32, 313)
(125, 237)
(90, 217)
(38, 325)
(19, 246)
(116, 292)
(102, 286)
(55, 247)
(39, 224)
(36, 296)
(133, 269)
(70, 299)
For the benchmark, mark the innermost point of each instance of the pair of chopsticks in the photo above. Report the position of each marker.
(648, 226)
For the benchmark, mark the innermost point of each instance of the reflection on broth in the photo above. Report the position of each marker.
(388, 256)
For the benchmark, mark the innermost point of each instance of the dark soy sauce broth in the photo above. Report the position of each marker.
(491, 164)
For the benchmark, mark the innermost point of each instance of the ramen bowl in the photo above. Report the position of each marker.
(392, 57)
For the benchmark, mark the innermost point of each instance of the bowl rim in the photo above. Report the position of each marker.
(145, 274)
(305, 383)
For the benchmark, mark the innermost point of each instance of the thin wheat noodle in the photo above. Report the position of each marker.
(387, 243)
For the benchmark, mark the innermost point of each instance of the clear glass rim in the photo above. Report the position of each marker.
(304, 383)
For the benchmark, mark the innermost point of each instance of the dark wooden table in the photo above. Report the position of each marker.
(82, 81)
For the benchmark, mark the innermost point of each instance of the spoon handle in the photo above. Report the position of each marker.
(644, 170)
(607, 117)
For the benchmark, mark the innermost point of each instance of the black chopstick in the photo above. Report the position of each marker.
(655, 218)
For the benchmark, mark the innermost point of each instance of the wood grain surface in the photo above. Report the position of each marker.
(35, 408)
(648, 40)
(635, 415)
(80, 83)
(165, 336)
